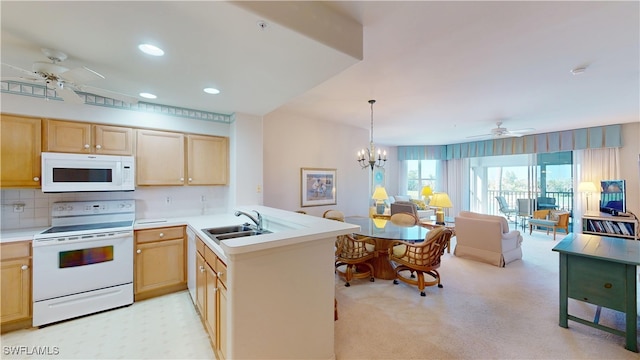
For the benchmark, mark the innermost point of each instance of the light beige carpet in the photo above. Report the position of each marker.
(483, 312)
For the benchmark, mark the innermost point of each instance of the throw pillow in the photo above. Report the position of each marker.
(419, 204)
(553, 214)
(401, 198)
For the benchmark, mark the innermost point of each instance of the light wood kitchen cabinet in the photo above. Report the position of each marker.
(211, 296)
(15, 302)
(163, 158)
(208, 160)
(20, 142)
(160, 261)
(201, 284)
(79, 137)
(159, 158)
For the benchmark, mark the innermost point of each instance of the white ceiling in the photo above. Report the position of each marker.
(440, 71)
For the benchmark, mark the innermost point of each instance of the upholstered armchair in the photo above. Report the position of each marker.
(486, 238)
(423, 258)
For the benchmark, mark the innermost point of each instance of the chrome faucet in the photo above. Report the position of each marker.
(258, 221)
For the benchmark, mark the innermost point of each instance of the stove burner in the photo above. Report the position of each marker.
(86, 227)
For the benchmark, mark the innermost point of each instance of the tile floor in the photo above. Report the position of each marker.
(165, 327)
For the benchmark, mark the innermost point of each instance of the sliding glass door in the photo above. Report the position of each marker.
(527, 183)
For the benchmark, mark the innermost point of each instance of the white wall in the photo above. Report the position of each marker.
(293, 142)
(246, 149)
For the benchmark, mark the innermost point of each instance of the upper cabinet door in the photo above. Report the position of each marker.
(67, 136)
(113, 140)
(20, 151)
(208, 160)
(77, 137)
(159, 158)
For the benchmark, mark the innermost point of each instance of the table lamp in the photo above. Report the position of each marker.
(380, 195)
(426, 192)
(379, 223)
(587, 187)
(440, 200)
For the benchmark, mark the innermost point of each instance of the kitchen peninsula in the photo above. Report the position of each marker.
(279, 286)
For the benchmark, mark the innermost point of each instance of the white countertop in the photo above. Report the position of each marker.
(287, 228)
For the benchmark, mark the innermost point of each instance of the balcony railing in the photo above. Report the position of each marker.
(564, 199)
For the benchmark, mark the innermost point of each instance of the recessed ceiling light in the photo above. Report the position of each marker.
(147, 95)
(151, 49)
(211, 91)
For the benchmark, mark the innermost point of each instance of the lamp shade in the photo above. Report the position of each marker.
(440, 200)
(587, 187)
(380, 194)
(426, 191)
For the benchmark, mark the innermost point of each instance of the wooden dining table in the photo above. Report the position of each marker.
(384, 232)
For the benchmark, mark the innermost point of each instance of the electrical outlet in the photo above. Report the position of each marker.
(167, 200)
(18, 208)
(259, 189)
(203, 198)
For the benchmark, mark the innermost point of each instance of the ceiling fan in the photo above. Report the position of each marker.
(66, 82)
(501, 132)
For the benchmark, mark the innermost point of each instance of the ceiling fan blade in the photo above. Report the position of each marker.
(108, 94)
(521, 132)
(479, 136)
(31, 74)
(69, 95)
(22, 79)
(80, 75)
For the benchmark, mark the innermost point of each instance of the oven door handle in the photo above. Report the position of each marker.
(82, 239)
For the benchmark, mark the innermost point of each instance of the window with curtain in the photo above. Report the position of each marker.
(419, 174)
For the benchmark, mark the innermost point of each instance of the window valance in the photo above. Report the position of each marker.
(590, 138)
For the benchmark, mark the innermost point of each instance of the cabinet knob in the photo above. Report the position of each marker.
(36, 179)
(86, 146)
(201, 268)
(98, 147)
(161, 235)
(220, 273)
(215, 289)
(190, 179)
(138, 251)
(608, 286)
(24, 267)
(181, 179)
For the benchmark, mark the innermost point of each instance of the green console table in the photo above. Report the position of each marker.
(601, 271)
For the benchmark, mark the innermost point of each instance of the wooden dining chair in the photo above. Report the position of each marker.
(404, 219)
(354, 254)
(421, 258)
(333, 215)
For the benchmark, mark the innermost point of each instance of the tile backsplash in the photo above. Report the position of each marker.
(28, 208)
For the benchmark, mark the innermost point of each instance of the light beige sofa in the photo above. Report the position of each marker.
(486, 238)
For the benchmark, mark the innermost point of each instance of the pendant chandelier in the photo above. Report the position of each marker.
(369, 158)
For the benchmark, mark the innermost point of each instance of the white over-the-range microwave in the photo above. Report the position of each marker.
(63, 172)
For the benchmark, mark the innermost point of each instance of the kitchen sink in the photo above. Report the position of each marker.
(228, 229)
(231, 232)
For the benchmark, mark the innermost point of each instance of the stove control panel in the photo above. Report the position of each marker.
(99, 207)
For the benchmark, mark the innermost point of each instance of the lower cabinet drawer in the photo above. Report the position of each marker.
(597, 282)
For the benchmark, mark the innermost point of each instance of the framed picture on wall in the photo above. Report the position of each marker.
(378, 178)
(318, 187)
